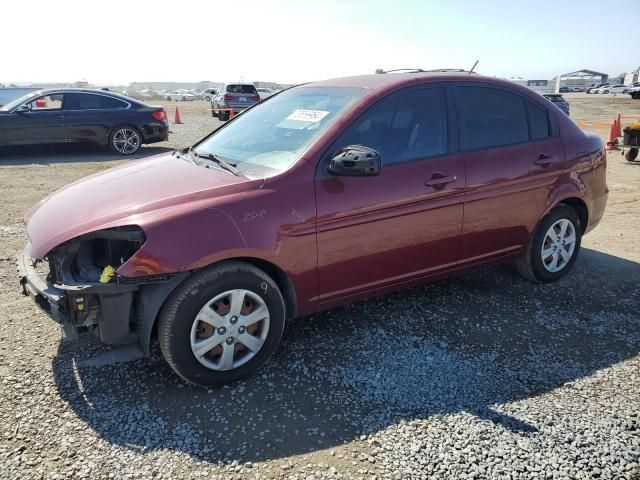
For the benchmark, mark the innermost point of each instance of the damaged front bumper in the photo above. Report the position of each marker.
(106, 309)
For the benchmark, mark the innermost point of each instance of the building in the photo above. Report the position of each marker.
(582, 79)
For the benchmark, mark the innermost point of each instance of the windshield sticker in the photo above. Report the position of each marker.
(312, 116)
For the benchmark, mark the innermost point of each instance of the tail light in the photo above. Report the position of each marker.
(255, 98)
(228, 96)
(160, 115)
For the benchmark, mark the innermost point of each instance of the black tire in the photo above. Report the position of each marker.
(180, 310)
(214, 113)
(529, 263)
(223, 116)
(184, 99)
(114, 132)
(631, 154)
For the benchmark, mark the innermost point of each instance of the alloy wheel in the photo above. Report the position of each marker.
(230, 329)
(126, 141)
(558, 245)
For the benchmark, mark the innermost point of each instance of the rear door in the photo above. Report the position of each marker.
(514, 159)
(378, 232)
(43, 123)
(90, 117)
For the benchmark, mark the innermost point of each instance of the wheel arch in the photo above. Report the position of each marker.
(152, 299)
(578, 205)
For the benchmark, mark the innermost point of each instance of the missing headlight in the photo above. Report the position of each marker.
(83, 259)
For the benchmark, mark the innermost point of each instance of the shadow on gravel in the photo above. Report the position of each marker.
(69, 153)
(469, 344)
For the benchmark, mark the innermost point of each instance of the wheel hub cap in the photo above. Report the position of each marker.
(229, 329)
(558, 245)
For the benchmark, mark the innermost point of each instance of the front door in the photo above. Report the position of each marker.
(42, 123)
(513, 157)
(405, 223)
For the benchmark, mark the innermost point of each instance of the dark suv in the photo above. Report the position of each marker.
(236, 97)
(320, 195)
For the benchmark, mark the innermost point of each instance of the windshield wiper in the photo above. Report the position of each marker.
(225, 164)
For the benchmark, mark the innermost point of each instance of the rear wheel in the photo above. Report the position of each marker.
(223, 116)
(553, 248)
(125, 140)
(222, 324)
(631, 154)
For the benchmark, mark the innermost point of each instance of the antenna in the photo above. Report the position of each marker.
(474, 66)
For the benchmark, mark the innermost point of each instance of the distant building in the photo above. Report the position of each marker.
(582, 79)
(632, 77)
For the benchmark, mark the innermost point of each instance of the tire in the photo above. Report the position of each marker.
(179, 326)
(631, 154)
(168, 99)
(128, 135)
(530, 263)
(184, 99)
(213, 111)
(606, 91)
(223, 116)
(625, 91)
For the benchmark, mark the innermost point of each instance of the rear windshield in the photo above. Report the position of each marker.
(555, 98)
(248, 89)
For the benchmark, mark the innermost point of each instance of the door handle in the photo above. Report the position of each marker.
(545, 160)
(438, 179)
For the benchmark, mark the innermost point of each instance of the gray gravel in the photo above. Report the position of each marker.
(481, 376)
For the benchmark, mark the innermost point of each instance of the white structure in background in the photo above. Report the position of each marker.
(632, 77)
(582, 79)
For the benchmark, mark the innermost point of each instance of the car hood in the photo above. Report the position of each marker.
(133, 194)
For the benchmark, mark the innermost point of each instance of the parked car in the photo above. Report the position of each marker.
(558, 100)
(236, 97)
(634, 92)
(324, 194)
(564, 90)
(82, 115)
(619, 88)
(208, 94)
(597, 87)
(264, 93)
(179, 95)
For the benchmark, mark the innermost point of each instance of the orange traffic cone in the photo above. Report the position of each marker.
(612, 144)
(176, 118)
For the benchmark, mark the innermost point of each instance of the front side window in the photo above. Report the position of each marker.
(489, 117)
(52, 101)
(402, 127)
(270, 137)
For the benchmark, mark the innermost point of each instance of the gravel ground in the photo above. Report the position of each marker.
(479, 376)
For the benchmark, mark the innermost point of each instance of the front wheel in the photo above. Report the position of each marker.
(553, 248)
(222, 324)
(125, 140)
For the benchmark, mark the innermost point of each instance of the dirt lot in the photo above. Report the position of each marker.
(481, 376)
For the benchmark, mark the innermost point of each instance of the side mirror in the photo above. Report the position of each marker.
(355, 161)
(24, 108)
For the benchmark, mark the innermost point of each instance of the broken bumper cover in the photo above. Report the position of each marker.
(51, 299)
(80, 308)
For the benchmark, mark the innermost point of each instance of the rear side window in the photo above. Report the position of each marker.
(87, 101)
(247, 89)
(403, 127)
(488, 117)
(108, 102)
(538, 121)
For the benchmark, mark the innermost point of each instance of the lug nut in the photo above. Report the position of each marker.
(233, 320)
(222, 331)
(241, 330)
(229, 340)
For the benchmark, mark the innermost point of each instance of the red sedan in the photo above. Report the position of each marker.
(320, 195)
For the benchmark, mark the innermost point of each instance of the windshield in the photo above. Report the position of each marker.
(18, 101)
(271, 136)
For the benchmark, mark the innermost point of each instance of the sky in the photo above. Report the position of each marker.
(292, 41)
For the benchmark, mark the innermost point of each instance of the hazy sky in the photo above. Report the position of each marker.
(287, 41)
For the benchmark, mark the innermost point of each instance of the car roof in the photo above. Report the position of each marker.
(383, 81)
